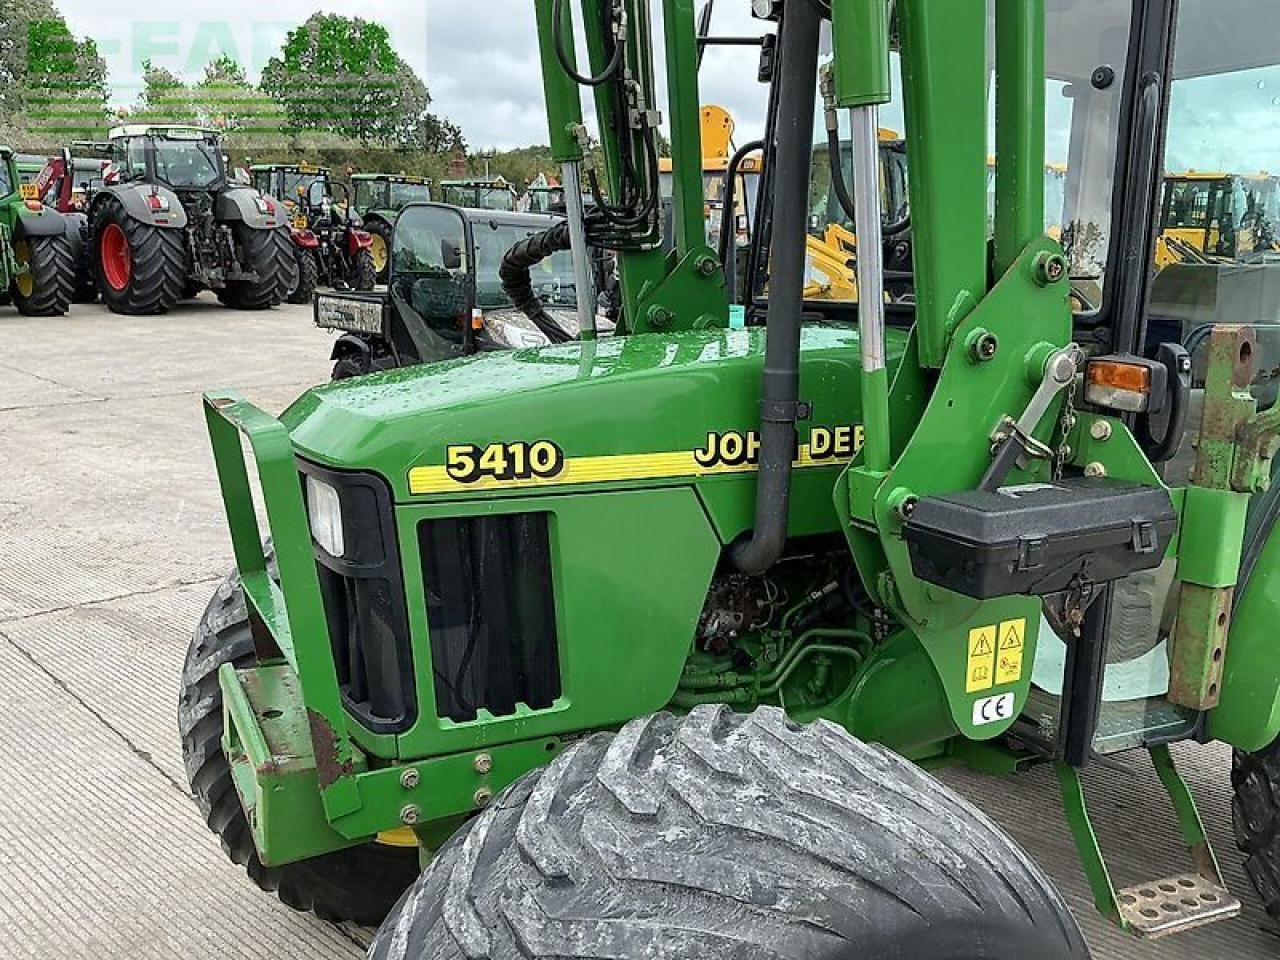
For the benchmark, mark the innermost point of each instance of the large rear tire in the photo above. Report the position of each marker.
(50, 282)
(363, 275)
(725, 835)
(269, 254)
(360, 883)
(140, 269)
(1255, 814)
(308, 275)
(380, 230)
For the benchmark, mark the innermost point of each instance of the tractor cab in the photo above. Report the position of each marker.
(1217, 216)
(445, 295)
(291, 184)
(379, 198)
(477, 194)
(185, 159)
(388, 193)
(542, 198)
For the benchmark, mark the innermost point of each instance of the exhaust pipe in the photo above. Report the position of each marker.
(780, 385)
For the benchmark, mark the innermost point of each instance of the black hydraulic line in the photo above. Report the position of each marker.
(518, 284)
(842, 188)
(780, 384)
(610, 71)
(728, 228)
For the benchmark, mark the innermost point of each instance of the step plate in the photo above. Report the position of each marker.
(1163, 907)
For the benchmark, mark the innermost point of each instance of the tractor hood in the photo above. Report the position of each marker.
(657, 408)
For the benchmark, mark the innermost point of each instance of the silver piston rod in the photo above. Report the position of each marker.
(584, 285)
(864, 123)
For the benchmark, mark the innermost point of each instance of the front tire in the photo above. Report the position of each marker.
(48, 286)
(269, 254)
(360, 884)
(726, 835)
(141, 269)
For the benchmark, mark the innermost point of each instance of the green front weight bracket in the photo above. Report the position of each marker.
(306, 787)
(1154, 908)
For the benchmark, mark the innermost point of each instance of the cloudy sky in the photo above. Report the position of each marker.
(483, 75)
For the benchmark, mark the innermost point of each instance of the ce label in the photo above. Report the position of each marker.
(993, 709)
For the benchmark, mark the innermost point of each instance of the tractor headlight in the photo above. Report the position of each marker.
(324, 508)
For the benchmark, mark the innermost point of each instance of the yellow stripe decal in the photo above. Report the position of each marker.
(473, 469)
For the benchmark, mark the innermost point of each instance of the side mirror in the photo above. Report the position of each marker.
(450, 255)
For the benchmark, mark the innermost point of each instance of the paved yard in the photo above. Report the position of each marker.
(112, 539)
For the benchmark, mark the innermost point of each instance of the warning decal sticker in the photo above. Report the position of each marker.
(1012, 635)
(980, 672)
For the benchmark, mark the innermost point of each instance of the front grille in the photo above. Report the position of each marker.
(364, 605)
(491, 613)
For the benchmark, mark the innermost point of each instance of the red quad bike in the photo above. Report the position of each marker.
(169, 223)
(67, 184)
(344, 256)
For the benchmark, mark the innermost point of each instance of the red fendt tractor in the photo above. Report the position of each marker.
(168, 223)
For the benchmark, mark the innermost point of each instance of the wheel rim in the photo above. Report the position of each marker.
(379, 252)
(24, 282)
(117, 261)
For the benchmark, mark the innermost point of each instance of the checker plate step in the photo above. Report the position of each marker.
(1163, 907)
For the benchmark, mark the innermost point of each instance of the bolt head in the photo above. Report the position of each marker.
(707, 266)
(1050, 268)
(482, 797)
(1101, 430)
(410, 814)
(483, 763)
(410, 778)
(1094, 469)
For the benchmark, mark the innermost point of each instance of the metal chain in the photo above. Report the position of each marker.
(1066, 423)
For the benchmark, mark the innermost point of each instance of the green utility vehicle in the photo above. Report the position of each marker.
(446, 296)
(649, 640)
(37, 260)
(379, 197)
(479, 194)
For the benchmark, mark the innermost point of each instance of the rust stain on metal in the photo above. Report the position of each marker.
(328, 767)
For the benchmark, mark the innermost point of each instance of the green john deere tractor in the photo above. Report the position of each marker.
(479, 194)
(379, 198)
(647, 641)
(37, 260)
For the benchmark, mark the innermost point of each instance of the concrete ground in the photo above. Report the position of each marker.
(111, 540)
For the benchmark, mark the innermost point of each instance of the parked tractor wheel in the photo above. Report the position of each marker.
(363, 274)
(380, 250)
(47, 287)
(360, 884)
(141, 269)
(722, 834)
(269, 254)
(308, 275)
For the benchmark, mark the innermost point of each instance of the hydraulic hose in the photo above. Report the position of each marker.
(518, 284)
(728, 221)
(780, 383)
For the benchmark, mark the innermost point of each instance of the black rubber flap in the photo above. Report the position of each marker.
(1039, 538)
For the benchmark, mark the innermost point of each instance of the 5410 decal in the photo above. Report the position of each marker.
(470, 463)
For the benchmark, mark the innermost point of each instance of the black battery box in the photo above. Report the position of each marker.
(1039, 538)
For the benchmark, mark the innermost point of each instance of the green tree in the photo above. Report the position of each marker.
(341, 75)
(52, 85)
(165, 97)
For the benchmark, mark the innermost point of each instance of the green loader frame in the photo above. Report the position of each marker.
(485, 566)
